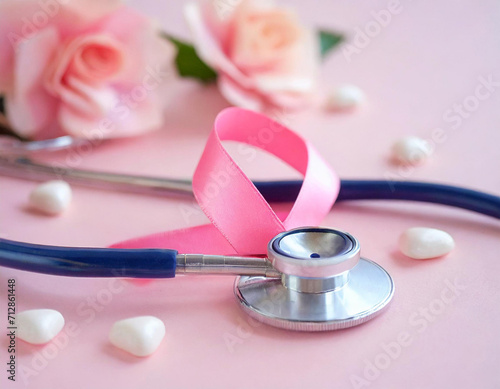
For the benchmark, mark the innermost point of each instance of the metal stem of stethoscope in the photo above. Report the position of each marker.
(25, 168)
(224, 265)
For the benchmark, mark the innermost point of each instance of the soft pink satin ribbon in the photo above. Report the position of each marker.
(242, 220)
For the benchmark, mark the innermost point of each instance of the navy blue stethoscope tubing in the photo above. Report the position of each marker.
(472, 200)
(161, 263)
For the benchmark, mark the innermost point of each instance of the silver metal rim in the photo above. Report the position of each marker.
(325, 267)
(355, 303)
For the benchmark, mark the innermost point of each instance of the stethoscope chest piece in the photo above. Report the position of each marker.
(324, 285)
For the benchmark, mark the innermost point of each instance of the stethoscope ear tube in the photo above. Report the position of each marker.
(472, 200)
(88, 262)
(273, 191)
(125, 263)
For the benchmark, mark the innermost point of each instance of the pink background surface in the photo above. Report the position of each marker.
(429, 57)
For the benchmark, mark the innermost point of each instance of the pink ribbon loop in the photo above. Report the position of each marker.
(242, 220)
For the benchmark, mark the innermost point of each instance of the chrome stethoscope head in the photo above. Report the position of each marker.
(324, 283)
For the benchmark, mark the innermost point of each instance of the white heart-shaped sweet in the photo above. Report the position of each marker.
(347, 96)
(425, 243)
(411, 150)
(51, 197)
(140, 335)
(38, 326)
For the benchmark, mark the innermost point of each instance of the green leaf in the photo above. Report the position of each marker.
(328, 40)
(189, 63)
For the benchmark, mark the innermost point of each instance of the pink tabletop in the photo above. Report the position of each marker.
(441, 330)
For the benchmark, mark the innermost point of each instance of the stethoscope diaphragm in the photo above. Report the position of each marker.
(325, 284)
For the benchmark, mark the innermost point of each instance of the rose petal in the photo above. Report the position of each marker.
(294, 84)
(61, 64)
(29, 107)
(91, 9)
(121, 121)
(9, 36)
(98, 60)
(265, 40)
(156, 60)
(21, 20)
(239, 96)
(208, 48)
(143, 46)
(300, 73)
(292, 101)
(89, 100)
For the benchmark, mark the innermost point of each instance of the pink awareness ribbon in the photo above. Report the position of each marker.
(242, 222)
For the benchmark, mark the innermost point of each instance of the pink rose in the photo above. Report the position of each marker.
(263, 55)
(89, 68)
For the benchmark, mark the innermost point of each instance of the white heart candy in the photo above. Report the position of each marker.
(347, 96)
(425, 243)
(411, 150)
(51, 197)
(140, 335)
(38, 326)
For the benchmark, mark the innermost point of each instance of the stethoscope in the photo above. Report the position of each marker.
(313, 278)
